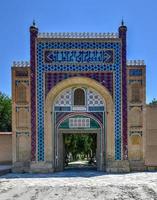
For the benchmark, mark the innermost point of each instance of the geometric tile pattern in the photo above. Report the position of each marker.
(122, 35)
(65, 99)
(103, 77)
(76, 56)
(33, 35)
(94, 99)
(42, 67)
(79, 122)
(135, 72)
(98, 115)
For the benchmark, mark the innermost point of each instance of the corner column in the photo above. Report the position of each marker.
(122, 36)
(33, 36)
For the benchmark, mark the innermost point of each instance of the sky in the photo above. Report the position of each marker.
(140, 17)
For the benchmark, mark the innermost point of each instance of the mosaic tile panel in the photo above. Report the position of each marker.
(64, 99)
(43, 67)
(93, 99)
(135, 72)
(33, 35)
(97, 115)
(78, 56)
(122, 35)
(84, 122)
(21, 73)
(105, 78)
(79, 122)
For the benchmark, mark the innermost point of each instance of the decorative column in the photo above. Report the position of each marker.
(33, 35)
(122, 36)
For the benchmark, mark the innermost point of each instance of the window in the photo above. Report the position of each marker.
(79, 122)
(135, 93)
(21, 73)
(79, 97)
(21, 94)
(135, 72)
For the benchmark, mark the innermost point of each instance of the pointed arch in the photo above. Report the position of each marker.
(49, 118)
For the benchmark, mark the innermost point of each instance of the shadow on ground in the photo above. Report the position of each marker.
(67, 173)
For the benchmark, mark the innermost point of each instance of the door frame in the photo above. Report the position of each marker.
(59, 159)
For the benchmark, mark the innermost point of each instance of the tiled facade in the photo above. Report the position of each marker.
(55, 58)
(42, 67)
(105, 78)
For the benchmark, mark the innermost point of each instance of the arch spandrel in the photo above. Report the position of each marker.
(64, 123)
(49, 110)
(79, 81)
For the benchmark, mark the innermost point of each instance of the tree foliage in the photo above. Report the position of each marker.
(80, 146)
(5, 112)
(153, 102)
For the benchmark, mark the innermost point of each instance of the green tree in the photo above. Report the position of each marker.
(153, 102)
(5, 112)
(80, 145)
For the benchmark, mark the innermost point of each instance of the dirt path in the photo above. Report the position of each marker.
(78, 184)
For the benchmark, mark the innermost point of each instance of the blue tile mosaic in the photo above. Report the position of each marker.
(42, 67)
(135, 72)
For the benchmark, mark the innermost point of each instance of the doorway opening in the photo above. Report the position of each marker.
(80, 151)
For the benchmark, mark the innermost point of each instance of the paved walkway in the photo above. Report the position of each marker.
(80, 164)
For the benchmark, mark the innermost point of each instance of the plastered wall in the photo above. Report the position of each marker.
(5, 147)
(151, 136)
